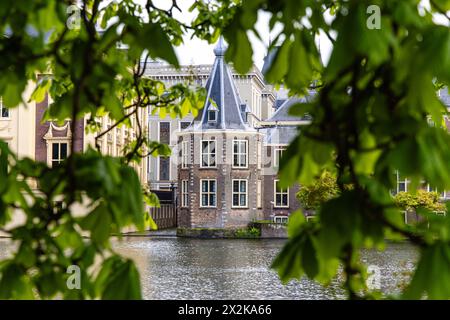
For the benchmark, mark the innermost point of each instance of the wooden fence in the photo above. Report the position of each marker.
(165, 216)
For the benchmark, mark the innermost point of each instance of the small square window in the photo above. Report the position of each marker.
(212, 116)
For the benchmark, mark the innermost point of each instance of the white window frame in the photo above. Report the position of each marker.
(406, 181)
(2, 107)
(179, 124)
(184, 193)
(239, 193)
(442, 194)
(214, 112)
(208, 192)
(50, 152)
(280, 192)
(259, 194)
(277, 154)
(209, 155)
(280, 219)
(239, 153)
(185, 154)
(159, 131)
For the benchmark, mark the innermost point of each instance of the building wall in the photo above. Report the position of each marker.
(18, 129)
(29, 136)
(223, 215)
(269, 176)
(154, 135)
(267, 105)
(47, 132)
(114, 142)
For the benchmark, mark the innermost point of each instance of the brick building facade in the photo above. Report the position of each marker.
(227, 168)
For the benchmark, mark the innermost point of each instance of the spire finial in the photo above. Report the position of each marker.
(220, 48)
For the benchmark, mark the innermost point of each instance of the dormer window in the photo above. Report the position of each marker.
(212, 115)
(244, 112)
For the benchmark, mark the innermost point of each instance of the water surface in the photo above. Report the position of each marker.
(176, 268)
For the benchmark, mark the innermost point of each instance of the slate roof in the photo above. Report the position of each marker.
(222, 91)
(445, 96)
(269, 58)
(282, 113)
(279, 103)
(282, 135)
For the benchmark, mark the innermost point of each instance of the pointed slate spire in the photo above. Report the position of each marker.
(222, 109)
(220, 48)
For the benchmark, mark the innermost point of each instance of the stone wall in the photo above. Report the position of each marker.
(273, 231)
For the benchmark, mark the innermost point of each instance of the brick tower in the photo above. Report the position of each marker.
(219, 173)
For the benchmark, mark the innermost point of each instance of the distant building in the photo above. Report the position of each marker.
(28, 135)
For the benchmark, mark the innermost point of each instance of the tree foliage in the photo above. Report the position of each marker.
(322, 190)
(420, 199)
(368, 120)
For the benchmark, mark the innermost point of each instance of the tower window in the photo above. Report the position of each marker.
(240, 151)
(212, 115)
(185, 154)
(208, 193)
(208, 153)
(240, 193)
(184, 193)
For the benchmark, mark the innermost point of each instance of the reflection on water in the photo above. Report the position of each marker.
(176, 268)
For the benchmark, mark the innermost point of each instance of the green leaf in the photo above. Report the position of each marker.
(300, 70)
(123, 283)
(309, 259)
(155, 40)
(240, 52)
(41, 90)
(98, 222)
(280, 65)
(434, 260)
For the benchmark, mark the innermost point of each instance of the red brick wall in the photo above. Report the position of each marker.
(42, 129)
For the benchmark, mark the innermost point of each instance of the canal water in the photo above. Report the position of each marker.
(177, 268)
